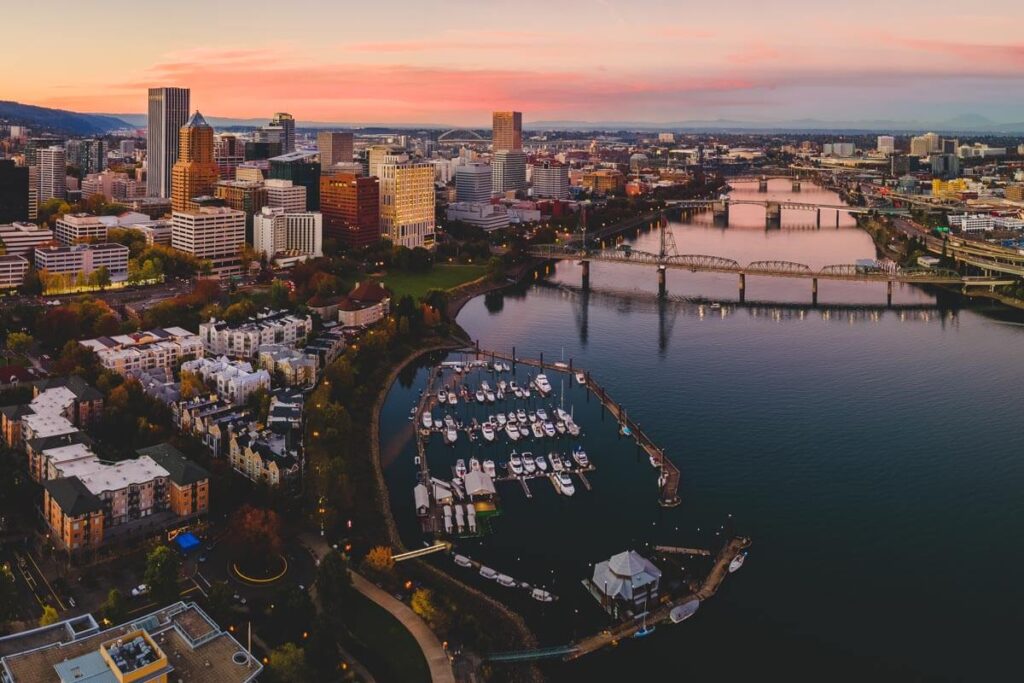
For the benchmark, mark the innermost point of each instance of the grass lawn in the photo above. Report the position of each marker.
(382, 643)
(440, 277)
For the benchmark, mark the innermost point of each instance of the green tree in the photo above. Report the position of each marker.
(288, 664)
(333, 583)
(218, 601)
(162, 567)
(19, 342)
(32, 285)
(49, 616)
(8, 594)
(114, 608)
(102, 276)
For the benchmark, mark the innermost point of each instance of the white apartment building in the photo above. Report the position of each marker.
(12, 271)
(244, 339)
(407, 201)
(52, 173)
(162, 347)
(481, 214)
(276, 231)
(113, 186)
(284, 194)
(73, 228)
(294, 366)
(235, 380)
(550, 179)
(84, 259)
(473, 183)
(21, 238)
(212, 233)
(508, 171)
(886, 144)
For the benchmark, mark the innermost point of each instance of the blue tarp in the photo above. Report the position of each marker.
(186, 541)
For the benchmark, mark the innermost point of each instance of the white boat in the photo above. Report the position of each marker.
(556, 461)
(541, 595)
(521, 416)
(515, 463)
(538, 430)
(480, 398)
(484, 386)
(488, 573)
(564, 484)
(518, 393)
(512, 431)
(452, 398)
(448, 519)
(488, 431)
(531, 416)
(542, 415)
(560, 427)
(451, 435)
(562, 415)
(463, 561)
(572, 428)
(684, 611)
(474, 465)
(737, 562)
(512, 386)
(715, 306)
(489, 468)
(580, 456)
(528, 464)
(501, 420)
(428, 419)
(500, 395)
(654, 462)
(581, 378)
(489, 396)
(506, 581)
(542, 384)
(449, 422)
(526, 392)
(460, 468)
(511, 417)
(542, 464)
(442, 396)
(549, 429)
(502, 385)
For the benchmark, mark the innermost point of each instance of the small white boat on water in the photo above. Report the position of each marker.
(572, 428)
(526, 392)
(488, 573)
(737, 562)
(474, 465)
(538, 430)
(684, 611)
(521, 416)
(489, 468)
(484, 386)
(542, 415)
(452, 398)
(501, 420)
(512, 431)
(541, 463)
(502, 385)
(488, 431)
(549, 429)
(460, 468)
(564, 484)
(531, 416)
(442, 396)
(542, 384)
(556, 461)
(449, 422)
(480, 398)
(519, 393)
(528, 464)
(654, 462)
(580, 456)
(512, 386)
(581, 378)
(541, 595)
(428, 419)
(511, 418)
(448, 519)
(562, 415)
(560, 427)
(506, 581)
(515, 463)
(451, 435)
(463, 561)
(489, 396)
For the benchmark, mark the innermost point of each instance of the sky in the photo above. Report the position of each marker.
(454, 61)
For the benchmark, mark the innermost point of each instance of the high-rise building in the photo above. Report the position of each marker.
(507, 131)
(74, 228)
(923, 145)
(286, 195)
(13, 192)
(350, 204)
(53, 172)
(228, 153)
(260, 150)
(299, 168)
(407, 204)
(195, 173)
(34, 144)
(508, 171)
(378, 155)
(886, 144)
(89, 156)
(33, 193)
(246, 196)
(473, 183)
(334, 148)
(276, 231)
(211, 233)
(550, 179)
(286, 122)
(168, 112)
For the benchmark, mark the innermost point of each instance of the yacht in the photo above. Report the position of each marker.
(549, 429)
(538, 430)
(501, 420)
(512, 431)
(573, 428)
(428, 419)
(737, 562)
(463, 561)
(541, 463)
(564, 484)
(542, 415)
(442, 396)
(562, 415)
(451, 435)
(506, 581)
(526, 392)
(542, 384)
(513, 387)
(580, 456)
(460, 468)
(521, 416)
(452, 398)
(511, 417)
(489, 468)
(484, 386)
(625, 430)
(489, 396)
(488, 573)
(488, 431)
(556, 461)
(560, 427)
(541, 595)
(449, 422)
(654, 462)
(581, 378)
(515, 463)
(528, 464)
(531, 416)
(474, 465)
(480, 398)
(502, 385)
(500, 395)
(684, 611)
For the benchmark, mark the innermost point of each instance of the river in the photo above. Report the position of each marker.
(873, 455)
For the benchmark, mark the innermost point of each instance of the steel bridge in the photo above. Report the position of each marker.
(530, 655)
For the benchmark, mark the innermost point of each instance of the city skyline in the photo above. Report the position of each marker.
(575, 61)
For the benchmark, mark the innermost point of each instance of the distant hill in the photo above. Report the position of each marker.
(58, 120)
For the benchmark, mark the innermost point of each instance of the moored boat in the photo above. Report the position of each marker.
(541, 595)
(428, 419)
(537, 429)
(512, 431)
(556, 461)
(488, 431)
(488, 573)
(480, 398)
(515, 463)
(528, 464)
(564, 484)
(541, 463)
(474, 465)
(451, 435)
(542, 384)
(684, 611)
(506, 581)
(580, 456)
(737, 562)
(463, 561)
(581, 378)
(489, 468)
(460, 468)
(549, 429)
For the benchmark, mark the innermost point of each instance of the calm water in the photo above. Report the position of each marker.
(874, 456)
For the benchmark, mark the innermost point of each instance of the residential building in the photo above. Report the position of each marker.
(275, 231)
(550, 179)
(473, 183)
(233, 380)
(228, 153)
(243, 340)
(1015, 193)
(507, 131)
(286, 122)
(158, 348)
(481, 214)
(168, 111)
(114, 186)
(378, 155)
(292, 366)
(35, 144)
(351, 208)
(247, 196)
(667, 138)
(52, 174)
(89, 156)
(14, 185)
(286, 195)
(12, 270)
(604, 181)
(367, 303)
(838, 149)
(195, 172)
(33, 193)
(84, 259)
(407, 201)
(21, 238)
(301, 169)
(211, 233)
(508, 171)
(264, 457)
(923, 145)
(59, 406)
(886, 144)
(334, 148)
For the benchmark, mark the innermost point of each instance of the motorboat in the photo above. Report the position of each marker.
(542, 415)
(428, 419)
(519, 393)
(542, 464)
(521, 416)
(556, 461)
(500, 395)
(448, 519)
(474, 465)
(560, 427)
(515, 463)
(572, 428)
(501, 420)
(412, 413)
(684, 611)
(451, 435)
(463, 561)
(489, 396)
(488, 431)
(715, 306)
(581, 378)
(562, 415)
(625, 430)
(460, 468)
(526, 392)
(542, 384)
(506, 581)
(449, 422)
(484, 386)
(541, 595)
(564, 484)
(513, 387)
(489, 468)
(442, 396)
(580, 456)
(488, 573)
(452, 398)
(549, 429)
(480, 398)
(528, 464)
(531, 416)
(737, 562)
(654, 462)
(512, 431)
(502, 385)
(511, 417)
(538, 430)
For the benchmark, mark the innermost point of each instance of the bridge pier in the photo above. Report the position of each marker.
(720, 209)
(762, 184)
(837, 219)
(888, 293)
(814, 291)
(773, 215)
(796, 185)
(662, 289)
(743, 287)
(586, 274)
(819, 219)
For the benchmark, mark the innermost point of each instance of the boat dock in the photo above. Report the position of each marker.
(477, 566)
(671, 549)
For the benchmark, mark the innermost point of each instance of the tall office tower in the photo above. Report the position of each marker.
(407, 204)
(284, 194)
(550, 179)
(228, 153)
(34, 144)
(378, 155)
(89, 156)
(473, 183)
(127, 148)
(507, 131)
(286, 122)
(211, 233)
(949, 146)
(168, 112)
(243, 195)
(886, 144)
(334, 148)
(350, 204)
(33, 193)
(508, 171)
(276, 231)
(299, 168)
(195, 173)
(53, 172)
(13, 192)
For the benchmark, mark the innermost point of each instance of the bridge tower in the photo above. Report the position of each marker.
(773, 215)
(762, 184)
(720, 210)
(796, 184)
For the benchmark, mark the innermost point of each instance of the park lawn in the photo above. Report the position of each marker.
(417, 285)
(382, 644)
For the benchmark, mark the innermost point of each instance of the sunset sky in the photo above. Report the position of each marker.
(454, 61)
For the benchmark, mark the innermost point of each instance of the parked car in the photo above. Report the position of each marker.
(140, 590)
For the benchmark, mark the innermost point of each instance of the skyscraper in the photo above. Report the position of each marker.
(195, 173)
(299, 168)
(286, 122)
(550, 179)
(351, 207)
(473, 183)
(507, 131)
(334, 148)
(886, 144)
(168, 112)
(508, 171)
(53, 172)
(13, 192)
(407, 203)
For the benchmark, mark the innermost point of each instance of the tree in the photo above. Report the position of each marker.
(255, 533)
(32, 285)
(423, 604)
(379, 559)
(8, 594)
(292, 613)
(114, 609)
(162, 566)
(259, 403)
(19, 342)
(49, 616)
(287, 664)
(333, 583)
(102, 277)
(192, 386)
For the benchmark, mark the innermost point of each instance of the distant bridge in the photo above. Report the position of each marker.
(773, 209)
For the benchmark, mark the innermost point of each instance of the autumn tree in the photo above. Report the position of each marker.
(288, 664)
(255, 533)
(19, 342)
(49, 616)
(380, 560)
